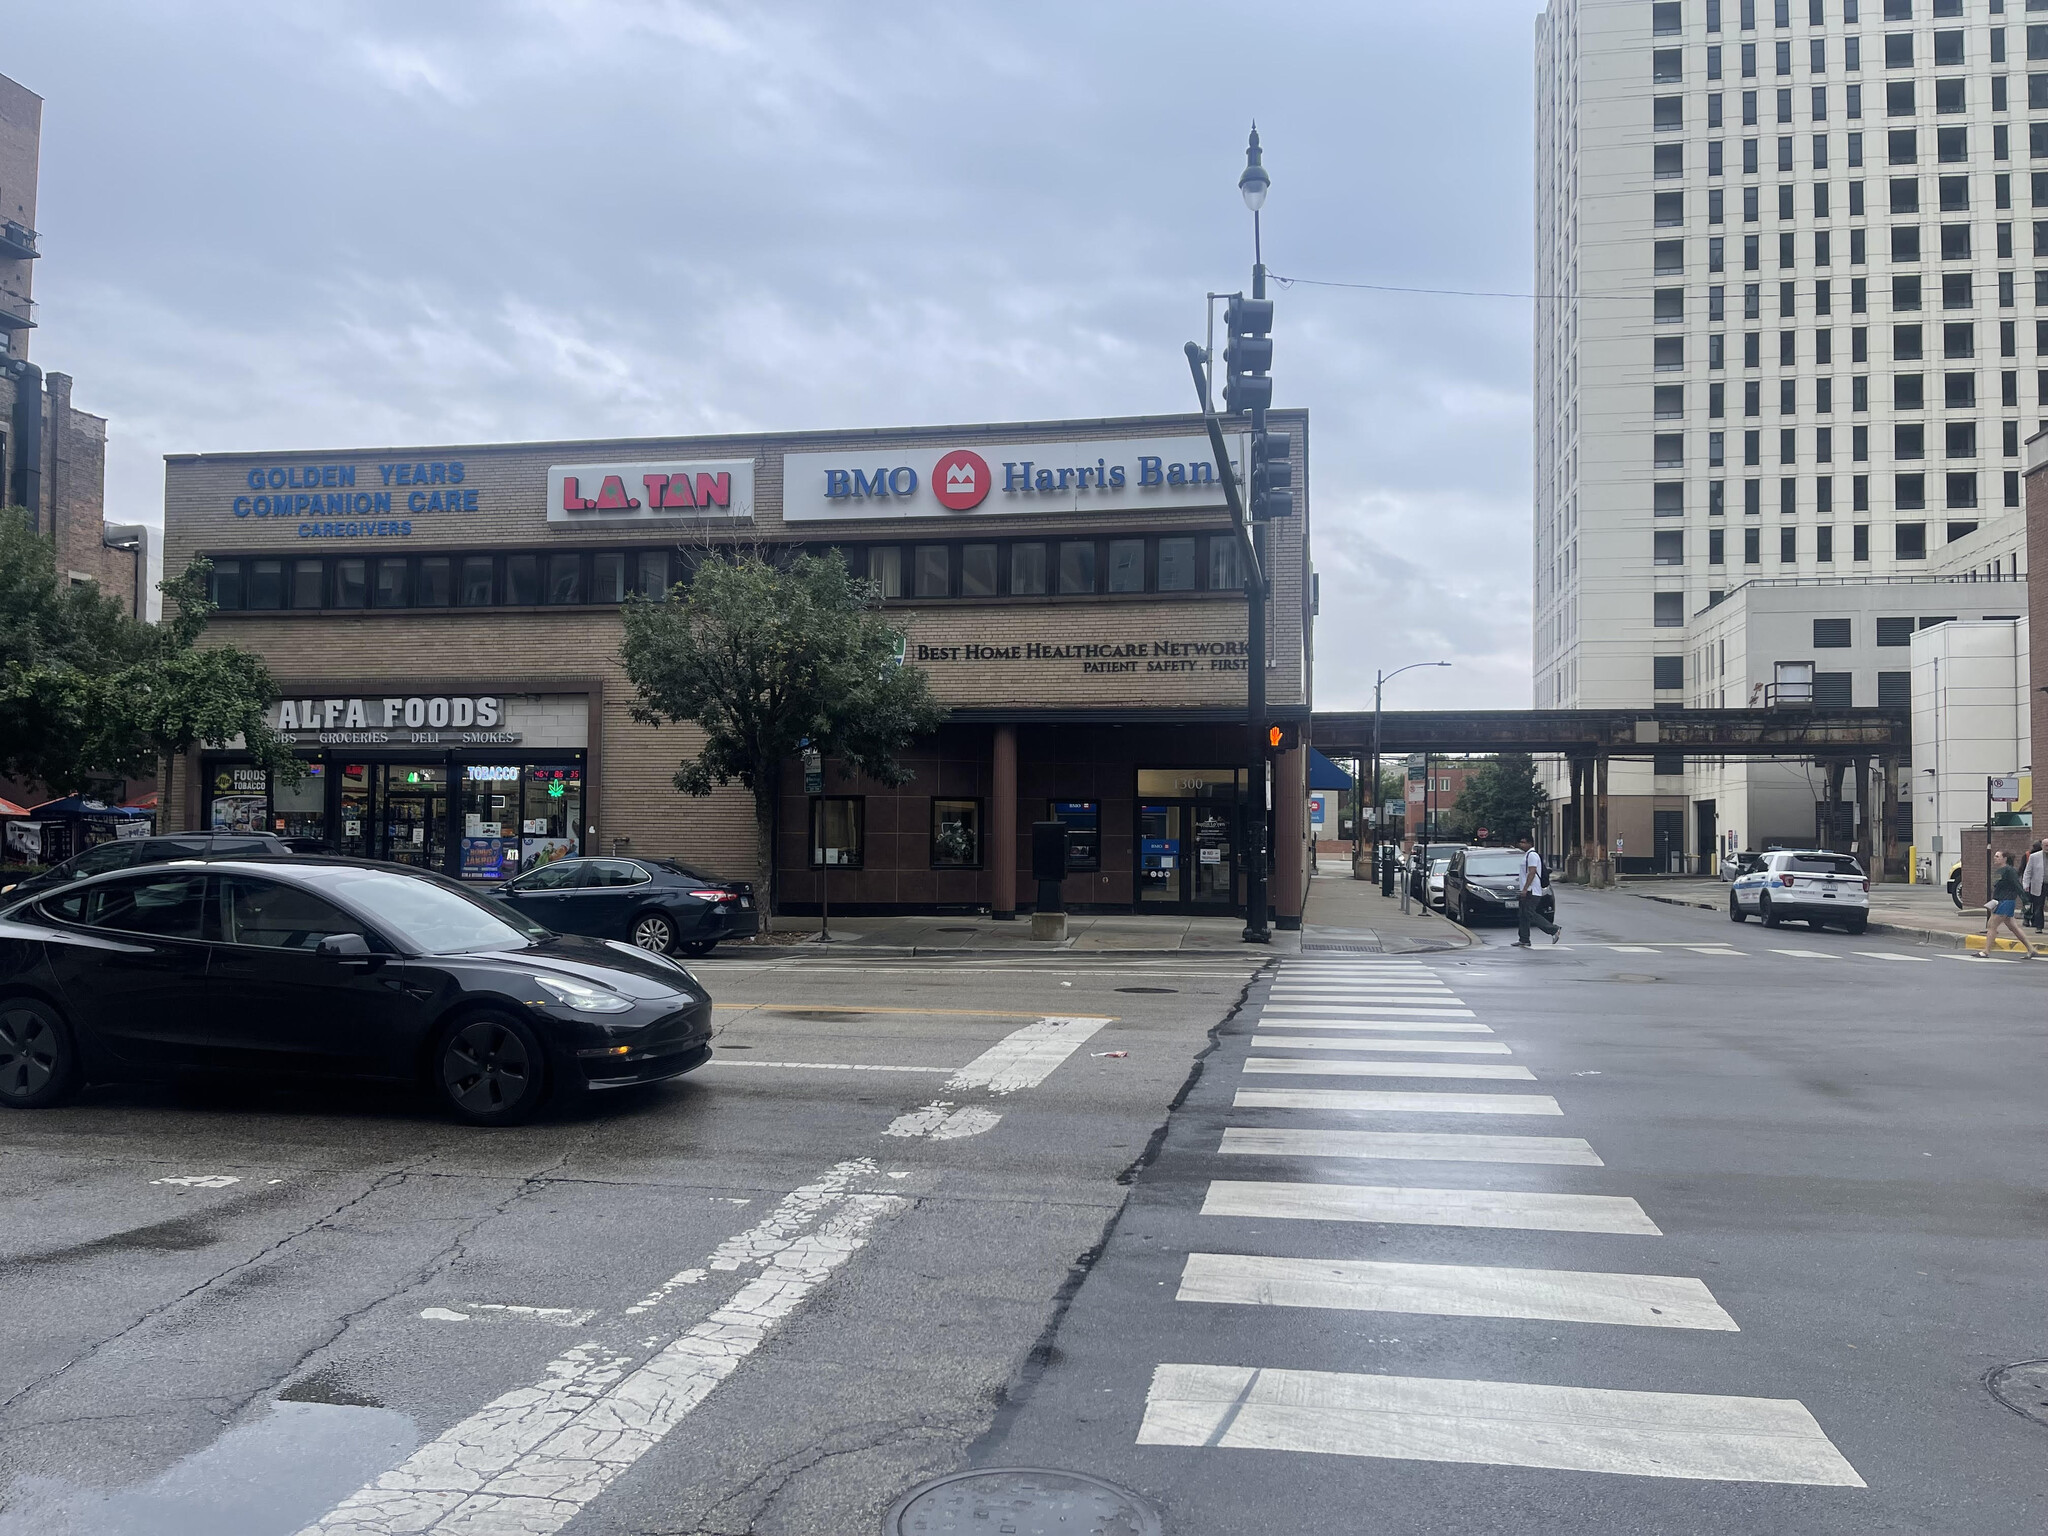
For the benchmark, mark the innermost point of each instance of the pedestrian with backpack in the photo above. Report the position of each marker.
(2034, 881)
(1535, 886)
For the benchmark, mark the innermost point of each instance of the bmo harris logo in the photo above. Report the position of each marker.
(960, 481)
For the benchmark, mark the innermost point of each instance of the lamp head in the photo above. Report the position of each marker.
(1254, 182)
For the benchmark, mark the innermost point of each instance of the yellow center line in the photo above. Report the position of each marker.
(979, 1013)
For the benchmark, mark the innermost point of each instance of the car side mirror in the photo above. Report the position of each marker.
(345, 946)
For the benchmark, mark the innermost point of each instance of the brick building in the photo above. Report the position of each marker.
(52, 455)
(444, 626)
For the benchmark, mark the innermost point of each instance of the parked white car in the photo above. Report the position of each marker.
(1807, 883)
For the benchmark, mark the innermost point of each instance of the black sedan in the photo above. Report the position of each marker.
(1487, 883)
(329, 970)
(657, 904)
(134, 852)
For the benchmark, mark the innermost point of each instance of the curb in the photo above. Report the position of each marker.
(1939, 937)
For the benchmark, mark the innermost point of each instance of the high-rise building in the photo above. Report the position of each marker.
(1787, 256)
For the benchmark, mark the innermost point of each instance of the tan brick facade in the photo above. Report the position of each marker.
(1162, 671)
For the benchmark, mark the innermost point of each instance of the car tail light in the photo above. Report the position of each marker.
(1864, 882)
(714, 895)
(1784, 879)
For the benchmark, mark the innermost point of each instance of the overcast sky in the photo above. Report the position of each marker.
(334, 224)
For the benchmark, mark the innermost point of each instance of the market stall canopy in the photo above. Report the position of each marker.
(9, 808)
(78, 805)
(1324, 774)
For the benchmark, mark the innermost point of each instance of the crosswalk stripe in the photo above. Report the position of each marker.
(1372, 1100)
(1413, 1146)
(1806, 954)
(1516, 1209)
(1427, 1010)
(1377, 990)
(1365, 1043)
(1496, 1423)
(1454, 1290)
(1295, 1066)
(1885, 954)
(1399, 1026)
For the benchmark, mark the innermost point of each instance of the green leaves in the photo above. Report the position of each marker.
(1504, 796)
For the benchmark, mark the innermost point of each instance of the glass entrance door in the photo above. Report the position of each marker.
(1212, 874)
(1187, 855)
(1160, 866)
(415, 816)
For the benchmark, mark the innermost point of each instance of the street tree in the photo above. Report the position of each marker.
(1504, 796)
(761, 655)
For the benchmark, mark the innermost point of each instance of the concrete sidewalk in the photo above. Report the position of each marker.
(1342, 913)
(1922, 912)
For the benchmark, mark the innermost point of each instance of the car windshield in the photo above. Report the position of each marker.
(1497, 861)
(1823, 864)
(432, 918)
(1439, 863)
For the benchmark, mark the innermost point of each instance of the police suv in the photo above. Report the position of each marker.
(1807, 883)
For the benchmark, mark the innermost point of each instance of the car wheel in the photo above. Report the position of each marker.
(38, 1056)
(490, 1069)
(1763, 910)
(1735, 912)
(654, 932)
(1858, 924)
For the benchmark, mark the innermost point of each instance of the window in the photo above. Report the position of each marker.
(956, 834)
(978, 570)
(1667, 113)
(1824, 544)
(1083, 821)
(1958, 337)
(1667, 258)
(227, 584)
(1667, 66)
(1831, 634)
(1667, 450)
(1909, 492)
(1859, 542)
(1948, 96)
(1667, 353)
(1716, 547)
(1955, 193)
(1077, 566)
(1667, 161)
(1959, 391)
(1668, 401)
(650, 577)
(565, 578)
(885, 569)
(1752, 547)
(1961, 492)
(1831, 690)
(352, 583)
(1948, 48)
(1788, 546)
(1898, 98)
(1898, 50)
(1126, 565)
(1909, 440)
(1961, 443)
(1907, 392)
(1955, 242)
(308, 584)
(167, 906)
(1781, 61)
(1226, 572)
(1668, 548)
(838, 825)
(1906, 343)
(267, 915)
(1951, 145)
(1027, 570)
(1669, 209)
(1667, 671)
(1909, 541)
(1894, 690)
(1668, 610)
(393, 589)
(932, 570)
(265, 584)
(1177, 565)
(433, 587)
(1906, 292)
(1905, 195)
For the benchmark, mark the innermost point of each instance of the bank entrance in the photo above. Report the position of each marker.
(1190, 830)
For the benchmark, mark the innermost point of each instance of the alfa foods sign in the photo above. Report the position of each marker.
(669, 492)
(1122, 475)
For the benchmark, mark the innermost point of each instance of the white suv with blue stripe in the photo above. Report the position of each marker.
(1804, 883)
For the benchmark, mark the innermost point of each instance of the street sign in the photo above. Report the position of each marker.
(814, 772)
(1418, 765)
(2003, 788)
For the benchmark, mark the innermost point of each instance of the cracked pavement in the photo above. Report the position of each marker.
(755, 1351)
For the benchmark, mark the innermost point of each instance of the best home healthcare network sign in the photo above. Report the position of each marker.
(1109, 475)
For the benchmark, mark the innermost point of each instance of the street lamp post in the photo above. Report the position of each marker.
(1253, 184)
(1379, 682)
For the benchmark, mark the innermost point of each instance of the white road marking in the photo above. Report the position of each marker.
(1397, 1103)
(443, 1315)
(1632, 949)
(1337, 1010)
(1495, 1423)
(1806, 954)
(819, 1066)
(1295, 1066)
(1399, 1026)
(1454, 1290)
(1966, 959)
(1716, 949)
(1426, 1146)
(526, 1464)
(1369, 1043)
(940, 1120)
(1026, 1057)
(1520, 1210)
(1885, 954)
(202, 1180)
(560, 1317)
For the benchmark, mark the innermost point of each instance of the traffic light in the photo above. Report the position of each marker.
(1272, 474)
(1249, 355)
(1282, 737)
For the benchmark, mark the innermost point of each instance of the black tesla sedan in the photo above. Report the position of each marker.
(657, 904)
(329, 970)
(134, 852)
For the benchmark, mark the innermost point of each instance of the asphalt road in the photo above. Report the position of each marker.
(1829, 1147)
(771, 1297)
(228, 1314)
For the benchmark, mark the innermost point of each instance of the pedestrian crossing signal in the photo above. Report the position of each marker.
(1282, 738)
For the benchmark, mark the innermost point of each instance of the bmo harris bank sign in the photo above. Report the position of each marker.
(1109, 475)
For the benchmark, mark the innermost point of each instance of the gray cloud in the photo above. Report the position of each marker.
(380, 223)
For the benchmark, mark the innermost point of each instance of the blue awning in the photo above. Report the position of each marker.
(1324, 774)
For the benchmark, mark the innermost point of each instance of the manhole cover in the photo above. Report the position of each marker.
(2023, 1388)
(1029, 1501)
(1148, 989)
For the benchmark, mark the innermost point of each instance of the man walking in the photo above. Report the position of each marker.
(2034, 881)
(1534, 888)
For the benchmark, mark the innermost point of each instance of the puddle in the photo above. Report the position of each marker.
(271, 1477)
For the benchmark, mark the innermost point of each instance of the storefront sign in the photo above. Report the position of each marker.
(351, 501)
(418, 719)
(606, 494)
(1108, 657)
(1119, 475)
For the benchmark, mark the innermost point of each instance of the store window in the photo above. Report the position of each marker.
(1126, 565)
(551, 823)
(885, 569)
(522, 580)
(838, 826)
(1083, 821)
(477, 585)
(1224, 574)
(241, 800)
(351, 583)
(565, 578)
(1077, 566)
(956, 834)
(300, 810)
(227, 584)
(354, 841)
(1177, 565)
(652, 580)
(934, 570)
(436, 580)
(393, 590)
(1027, 570)
(978, 570)
(608, 577)
(490, 821)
